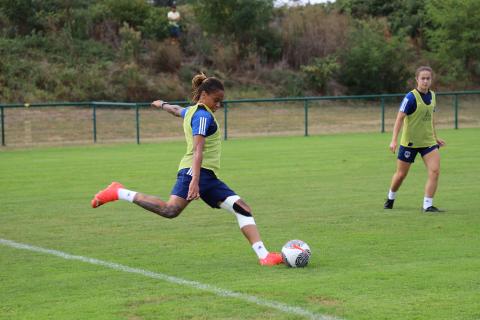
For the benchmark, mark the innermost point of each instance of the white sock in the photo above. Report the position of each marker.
(125, 194)
(427, 202)
(391, 195)
(260, 249)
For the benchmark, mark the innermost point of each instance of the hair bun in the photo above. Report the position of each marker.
(198, 80)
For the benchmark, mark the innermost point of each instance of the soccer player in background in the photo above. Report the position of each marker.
(197, 175)
(418, 136)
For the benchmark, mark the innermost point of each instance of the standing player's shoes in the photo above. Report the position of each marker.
(432, 209)
(273, 258)
(108, 194)
(388, 204)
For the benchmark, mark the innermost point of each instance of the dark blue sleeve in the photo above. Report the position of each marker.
(409, 104)
(201, 121)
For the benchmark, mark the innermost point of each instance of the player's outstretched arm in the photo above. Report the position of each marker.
(170, 108)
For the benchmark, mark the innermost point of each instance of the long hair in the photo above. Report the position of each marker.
(202, 83)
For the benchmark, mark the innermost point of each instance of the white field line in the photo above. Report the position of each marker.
(188, 283)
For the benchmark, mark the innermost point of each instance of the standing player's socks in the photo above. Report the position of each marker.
(427, 202)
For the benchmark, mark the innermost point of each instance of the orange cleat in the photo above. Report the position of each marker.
(272, 259)
(108, 194)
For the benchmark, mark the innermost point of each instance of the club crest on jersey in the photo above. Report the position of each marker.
(407, 154)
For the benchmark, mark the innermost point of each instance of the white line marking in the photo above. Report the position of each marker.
(188, 283)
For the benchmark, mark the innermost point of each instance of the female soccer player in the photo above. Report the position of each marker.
(418, 136)
(196, 177)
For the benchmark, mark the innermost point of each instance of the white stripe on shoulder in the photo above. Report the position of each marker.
(203, 124)
(404, 104)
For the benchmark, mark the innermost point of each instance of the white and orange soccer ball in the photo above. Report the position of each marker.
(296, 253)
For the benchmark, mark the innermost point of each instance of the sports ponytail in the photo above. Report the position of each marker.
(202, 83)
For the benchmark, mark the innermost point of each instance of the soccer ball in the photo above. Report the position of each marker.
(296, 253)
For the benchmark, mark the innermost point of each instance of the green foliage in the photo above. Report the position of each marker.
(269, 43)
(131, 41)
(373, 64)
(284, 81)
(367, 8)
(454, 36)
(21, 14)
(165, 57)
(403, 16)
(320, 71)
(242, 21)
(155, 25)
(312, 32)
(133, 12)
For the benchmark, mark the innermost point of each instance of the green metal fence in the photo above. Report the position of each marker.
(84, 122)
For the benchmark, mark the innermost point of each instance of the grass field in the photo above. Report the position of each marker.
(327, 190)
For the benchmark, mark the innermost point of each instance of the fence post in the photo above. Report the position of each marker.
(305, 105)
(137, 120)
(225, 113)
(382, 101)
(94, 119)
(2, 116)
(455, 102)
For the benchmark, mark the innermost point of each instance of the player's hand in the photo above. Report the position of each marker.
(157, 104)
(393, 146)
(441, 142)
(193, 191)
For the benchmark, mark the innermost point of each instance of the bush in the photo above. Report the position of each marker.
(133, 12)
(373, 64)
(312, 32)
(320, 71)
(164, 57)
(284, 82)
(131, 42)
(156, 24)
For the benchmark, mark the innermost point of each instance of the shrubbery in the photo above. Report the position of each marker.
(119, 49)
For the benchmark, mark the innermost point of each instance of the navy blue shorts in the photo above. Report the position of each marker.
(213, 191)
(408, 154)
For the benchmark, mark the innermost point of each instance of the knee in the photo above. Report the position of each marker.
(401, 175)
(242, 208)
(435, 172)
(169, 211)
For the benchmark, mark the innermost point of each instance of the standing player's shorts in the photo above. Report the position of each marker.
(408, 154)
(213, 191)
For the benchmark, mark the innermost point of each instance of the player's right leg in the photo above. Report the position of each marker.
(400, 174)
(116, 191)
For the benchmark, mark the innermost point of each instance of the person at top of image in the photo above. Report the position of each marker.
(174, 22)
(198, 169)
(416, 114)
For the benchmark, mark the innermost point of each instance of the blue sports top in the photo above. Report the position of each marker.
(409, 103)
(202, 122)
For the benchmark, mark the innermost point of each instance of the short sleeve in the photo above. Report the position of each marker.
(409, 104)
(201, 121)
(183, 112)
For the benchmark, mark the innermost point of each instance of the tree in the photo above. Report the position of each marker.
(372, 64)
(242, 21)
(454, 35)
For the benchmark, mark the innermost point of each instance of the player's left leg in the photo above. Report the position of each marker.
(432, 163)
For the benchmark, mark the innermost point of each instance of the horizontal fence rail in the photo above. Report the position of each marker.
(289, 115)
